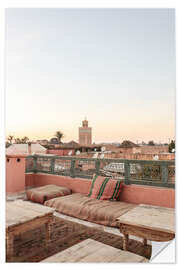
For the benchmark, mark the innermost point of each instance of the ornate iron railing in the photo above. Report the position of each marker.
(141, 172)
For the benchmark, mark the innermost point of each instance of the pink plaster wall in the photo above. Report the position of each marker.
(15, 173)
(164, 197)
(30, 179)
(78, 185)
(159, 196)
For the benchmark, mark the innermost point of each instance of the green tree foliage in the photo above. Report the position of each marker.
(59, 135)
(17, 140)
(171, 146)
(10, 138)
(127, 144)
(25, 139)
(7, 144)
(151, 143)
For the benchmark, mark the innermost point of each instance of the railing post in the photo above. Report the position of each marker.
(127, 173)
(52, 164)
(27, 167)
(164, 170)
(72, 171)
(97, 165)
(35, 164)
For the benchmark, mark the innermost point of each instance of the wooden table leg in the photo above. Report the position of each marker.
(145, 242)
(10, 244)
(125, 241)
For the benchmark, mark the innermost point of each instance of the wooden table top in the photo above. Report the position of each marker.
(18, 212)
(93, 251)
(150, 217)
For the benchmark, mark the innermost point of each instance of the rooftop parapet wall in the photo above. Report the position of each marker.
(159, 196)
(15, 173)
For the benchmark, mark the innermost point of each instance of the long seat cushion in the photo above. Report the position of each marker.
(41, 194)
(93, 210)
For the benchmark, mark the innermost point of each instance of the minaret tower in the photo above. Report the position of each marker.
(85, 133)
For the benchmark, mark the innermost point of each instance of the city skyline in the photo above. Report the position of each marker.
(114, 66)
(64, 138)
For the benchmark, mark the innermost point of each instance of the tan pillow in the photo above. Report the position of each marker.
(44, 193)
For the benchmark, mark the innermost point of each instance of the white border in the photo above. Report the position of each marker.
(2, 139)
(75, 4)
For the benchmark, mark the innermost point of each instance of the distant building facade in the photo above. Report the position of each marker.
(85, 134)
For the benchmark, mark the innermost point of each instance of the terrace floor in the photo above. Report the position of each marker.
(30, 246)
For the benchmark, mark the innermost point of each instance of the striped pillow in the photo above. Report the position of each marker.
(105, 188)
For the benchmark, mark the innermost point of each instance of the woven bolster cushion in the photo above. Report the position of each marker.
(44, 193)
(105, 188)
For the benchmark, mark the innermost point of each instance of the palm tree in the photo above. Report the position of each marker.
(7, 144)
(25, 139)
(10, 138)
(17, 140)
(59, 135)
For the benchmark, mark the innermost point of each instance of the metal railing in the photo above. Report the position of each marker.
(141, 172)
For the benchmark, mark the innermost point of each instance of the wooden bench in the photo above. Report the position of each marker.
(89, 251)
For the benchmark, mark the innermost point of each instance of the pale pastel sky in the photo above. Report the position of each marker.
(114, 66)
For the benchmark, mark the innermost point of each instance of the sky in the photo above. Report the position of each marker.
(116, 67)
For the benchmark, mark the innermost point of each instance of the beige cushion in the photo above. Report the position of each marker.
(41, 194)
(85, 208)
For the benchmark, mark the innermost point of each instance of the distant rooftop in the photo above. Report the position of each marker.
(23, 149)
(73, 145)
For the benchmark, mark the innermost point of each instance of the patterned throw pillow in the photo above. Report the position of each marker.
(105, 188)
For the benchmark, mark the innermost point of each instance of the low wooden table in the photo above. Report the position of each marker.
(22, 216)
(149, 222)
(93, 251)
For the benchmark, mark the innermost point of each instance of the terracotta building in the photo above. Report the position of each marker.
(85, 133)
